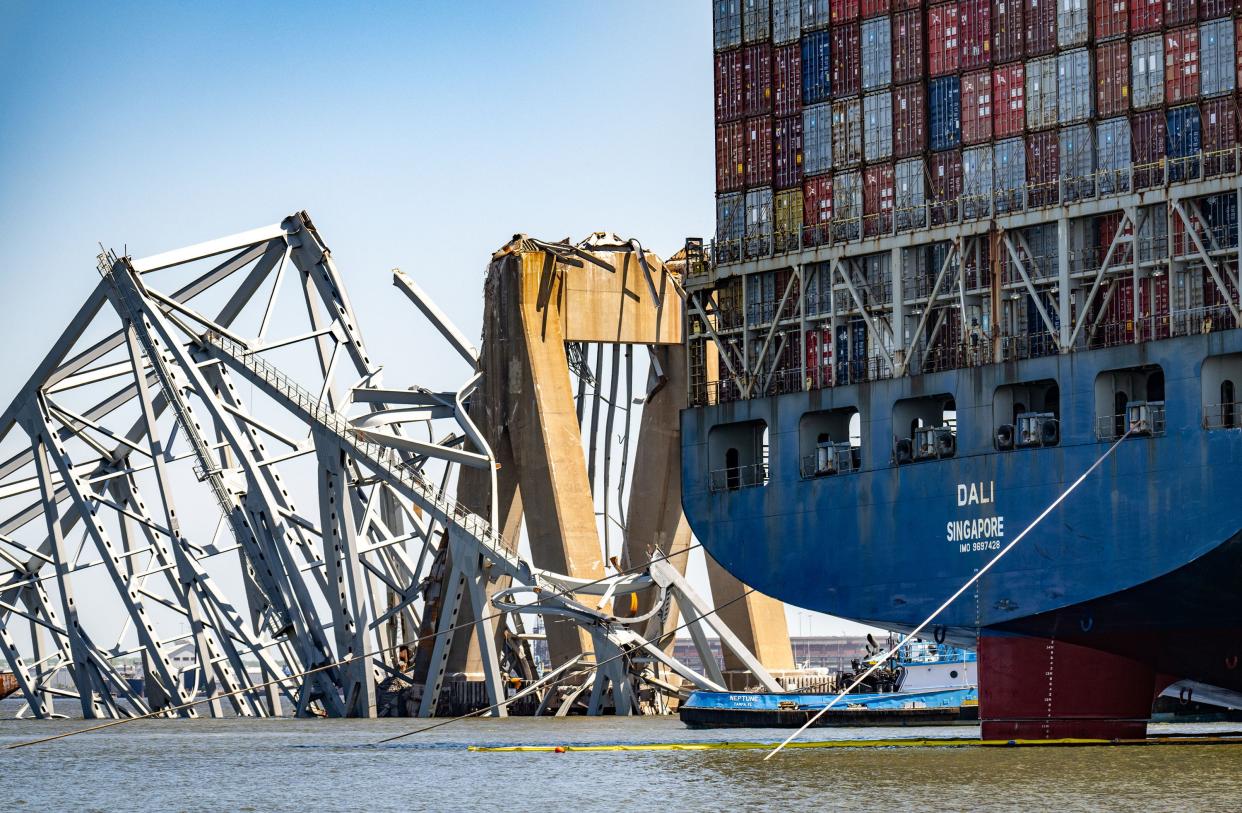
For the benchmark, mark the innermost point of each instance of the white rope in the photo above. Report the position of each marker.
(890, 653)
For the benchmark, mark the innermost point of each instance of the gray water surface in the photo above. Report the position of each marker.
(325, 765)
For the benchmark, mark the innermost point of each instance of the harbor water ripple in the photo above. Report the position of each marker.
(323, 765)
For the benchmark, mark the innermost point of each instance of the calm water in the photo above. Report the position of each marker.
(318, 765)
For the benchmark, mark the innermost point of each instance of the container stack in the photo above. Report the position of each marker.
(846, 119)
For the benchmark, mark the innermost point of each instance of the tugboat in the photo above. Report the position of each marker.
(928, 684)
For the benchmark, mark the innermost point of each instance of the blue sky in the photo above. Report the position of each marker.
(418, 135)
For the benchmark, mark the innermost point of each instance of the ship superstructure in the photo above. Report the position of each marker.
(912, 340)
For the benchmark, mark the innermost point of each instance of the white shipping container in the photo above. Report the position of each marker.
(877, 53)
(1073, 18)
(1147, 71)
(1041, 93)
(756, 20)
(759, 222)
(847, 205)
(1216, 58)
(815, 14)
(878, 126)
(1077, 170)
(817, 139)
(1075, 91)
(1009, 174)
(910, 187)
(727, 23)
(786, 21)
(846, 133)
(1112, 155)
(977, 181)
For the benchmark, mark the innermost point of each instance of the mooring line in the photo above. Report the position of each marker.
(314, 670)
(605, 662)
(978, 575)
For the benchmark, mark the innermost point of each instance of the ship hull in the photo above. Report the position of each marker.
(1141, 562)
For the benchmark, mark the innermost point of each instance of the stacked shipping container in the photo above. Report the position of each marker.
(851, 118)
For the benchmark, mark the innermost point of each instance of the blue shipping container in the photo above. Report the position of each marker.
(816, 68)
(1183, 140)
(817, 139)
(945, 96)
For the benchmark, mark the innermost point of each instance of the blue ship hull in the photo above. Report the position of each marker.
(1143, 560)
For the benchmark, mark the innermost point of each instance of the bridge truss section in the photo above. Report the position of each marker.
(208, 491)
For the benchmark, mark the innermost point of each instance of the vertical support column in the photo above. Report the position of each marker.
(1065, 320)
(800, 270)
(343, 568)
(831, 268)
(745, 375)
(1134, 264)
(995, 246)
(897, 269)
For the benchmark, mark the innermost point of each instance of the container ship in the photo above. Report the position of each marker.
(962, 248)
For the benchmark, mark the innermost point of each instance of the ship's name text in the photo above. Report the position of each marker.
(976, 493)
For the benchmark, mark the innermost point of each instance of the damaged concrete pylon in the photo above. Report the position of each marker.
(539, 297)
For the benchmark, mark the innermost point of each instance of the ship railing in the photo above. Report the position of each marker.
(970, 353)
(1222, 416)
(831, 459)
(768, 239)
(735, 478)
(1141, 419)
(1029, 346)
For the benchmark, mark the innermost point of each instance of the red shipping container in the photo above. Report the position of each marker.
(787, 80)
(816, 209)
(787, 153)
(1112, 18)
(1180, 12)
(757, 80)
(907, 39)
(729, 157)
(1237, 49)
(1112, 78)
(974, 33)
(844, 10)
(909, 120)
(1212, 9)
(1008, 32)
(1008, 100)
(875, 8)
(904, 4)
(877, 200)
(1043, 166)
(757, 137)
(1146, 15)
(1040, 18)
(729, 85)
(943, 53)
(1154, 317)
(1181, 65)
(944, 185)
(976, 107)
(1219, 122)
(846, 61)
(1147, 140)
